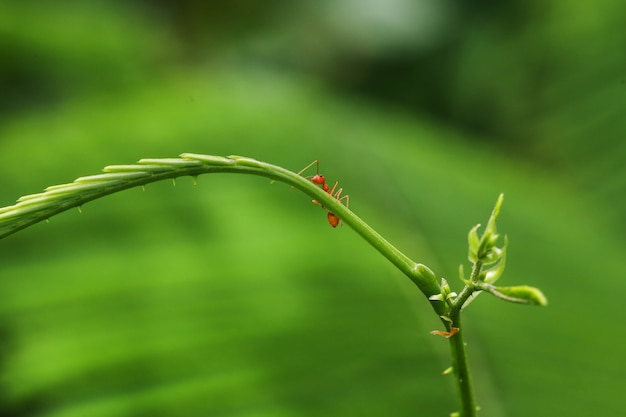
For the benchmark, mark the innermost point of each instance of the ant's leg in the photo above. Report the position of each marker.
(333, 219)
(332, 190)
(338, 194)
(347, 198)
(317, 169)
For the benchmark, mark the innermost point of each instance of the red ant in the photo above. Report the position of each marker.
(319, 179)
(447, 335)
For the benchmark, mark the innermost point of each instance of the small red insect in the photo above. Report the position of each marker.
(319, 179)
(447, 335)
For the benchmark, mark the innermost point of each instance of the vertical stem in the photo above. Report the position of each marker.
(461, 370)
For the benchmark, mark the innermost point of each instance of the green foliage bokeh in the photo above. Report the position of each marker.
(234, 297)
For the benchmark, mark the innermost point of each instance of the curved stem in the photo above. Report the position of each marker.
(32, 209)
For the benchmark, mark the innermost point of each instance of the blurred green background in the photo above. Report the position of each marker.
(235, 298)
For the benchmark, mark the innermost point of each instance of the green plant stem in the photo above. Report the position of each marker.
(460, 364)
(461, 370)
(54, 200)
(467, 291)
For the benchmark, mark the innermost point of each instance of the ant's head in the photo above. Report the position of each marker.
(318, 179)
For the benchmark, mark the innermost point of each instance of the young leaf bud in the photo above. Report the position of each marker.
(521, 294)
